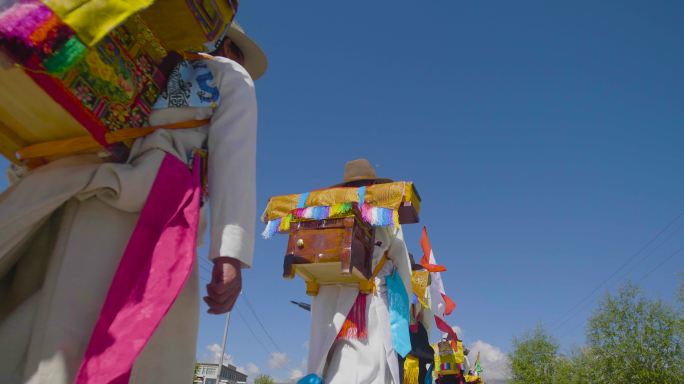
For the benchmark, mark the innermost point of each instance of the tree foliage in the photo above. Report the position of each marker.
(635, 340)
(630, 340)
(263, 379)
(533, 360)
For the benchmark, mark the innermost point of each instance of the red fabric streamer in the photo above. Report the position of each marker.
(355, 325)
(450, 305)
(446, 328)
(426, 261)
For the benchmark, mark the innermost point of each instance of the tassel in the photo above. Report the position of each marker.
(355, 326)
(285, 224)
(366, 213)
(395, 218)
(340, 209)
(411, 370)
(271, 228)
(46, 30)
(18, 22)
(70, 54)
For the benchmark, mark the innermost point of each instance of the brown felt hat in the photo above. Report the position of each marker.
(361, 170)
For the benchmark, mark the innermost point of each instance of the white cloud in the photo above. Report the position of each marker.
(493, 360)
(458, 331)
(252, 369)
(213, 353)
(278, 360)
(296, 374)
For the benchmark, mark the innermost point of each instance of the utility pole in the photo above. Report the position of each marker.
(223, 348)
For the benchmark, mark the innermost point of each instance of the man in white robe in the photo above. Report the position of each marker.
(64, 227)
(351, 360)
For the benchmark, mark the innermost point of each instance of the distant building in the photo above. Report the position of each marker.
(206, 373)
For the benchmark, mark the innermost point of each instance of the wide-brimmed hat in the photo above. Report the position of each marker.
(255, 59)
(361, 170)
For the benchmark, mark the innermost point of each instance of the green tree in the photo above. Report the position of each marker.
(263, 379)
(575, 369)
(635, 340)
(534, 358)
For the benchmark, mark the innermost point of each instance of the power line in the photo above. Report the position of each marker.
(560, 320)
(658, 266)
(675, 253)
(669, 236)
(649, 254)
(252, 331)
(249, 305)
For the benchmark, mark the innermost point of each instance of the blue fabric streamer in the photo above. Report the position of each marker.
(310, 379)
(428, 375)
(362, 195)
(303, 197)
(399, 314)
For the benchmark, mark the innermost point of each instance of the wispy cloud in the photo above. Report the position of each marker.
(278, 360)
(494, 361)
(252, 369)
(213, 354)
(296, 374)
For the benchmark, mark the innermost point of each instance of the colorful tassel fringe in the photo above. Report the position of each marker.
(70, 54)
(379, 217)
(36, 38)
(322, 212)
(376, 216)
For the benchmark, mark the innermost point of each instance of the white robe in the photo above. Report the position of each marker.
(65, 225)
(371, 361)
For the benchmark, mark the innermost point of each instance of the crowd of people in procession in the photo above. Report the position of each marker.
(98, 282)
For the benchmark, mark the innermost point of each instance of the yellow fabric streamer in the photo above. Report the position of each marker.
(458, 352)
(419, 281)
(93, 19)
(411, 370)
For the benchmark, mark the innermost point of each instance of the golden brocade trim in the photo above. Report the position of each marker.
(387, 195)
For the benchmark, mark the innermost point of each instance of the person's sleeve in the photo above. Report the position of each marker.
(232, 164)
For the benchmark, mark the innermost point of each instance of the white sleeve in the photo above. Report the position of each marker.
(232, 163)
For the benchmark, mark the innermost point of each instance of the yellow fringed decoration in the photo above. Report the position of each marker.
(339, 209)
(411, 370)
(389, 195)
(395, 218)
(285, 224)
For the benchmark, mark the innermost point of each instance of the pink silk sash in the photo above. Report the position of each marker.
(153, 270)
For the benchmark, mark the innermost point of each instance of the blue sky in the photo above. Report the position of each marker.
(546, 142)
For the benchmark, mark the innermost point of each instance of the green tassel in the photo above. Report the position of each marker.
(65, 58)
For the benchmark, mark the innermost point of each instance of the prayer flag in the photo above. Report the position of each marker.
(440, 304)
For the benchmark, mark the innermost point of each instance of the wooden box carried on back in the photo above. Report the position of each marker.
(330, 251)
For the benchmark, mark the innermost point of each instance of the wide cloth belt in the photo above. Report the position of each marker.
(88, 143)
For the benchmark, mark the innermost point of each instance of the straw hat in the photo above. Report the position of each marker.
(255, 59)
(361, 170)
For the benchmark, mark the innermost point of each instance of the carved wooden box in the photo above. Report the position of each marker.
(330, 251)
